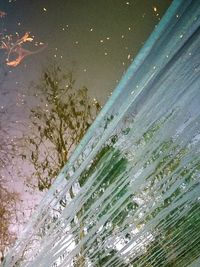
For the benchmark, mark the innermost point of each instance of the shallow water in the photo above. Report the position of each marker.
(130, 193)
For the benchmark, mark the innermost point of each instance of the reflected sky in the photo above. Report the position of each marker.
(97, 39)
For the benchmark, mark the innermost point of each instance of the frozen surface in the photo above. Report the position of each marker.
(130, 193)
